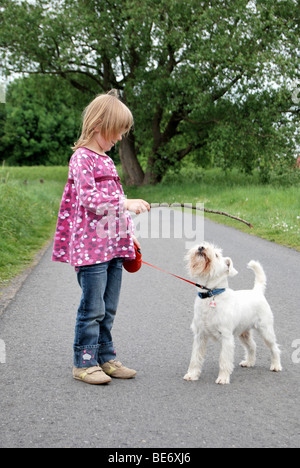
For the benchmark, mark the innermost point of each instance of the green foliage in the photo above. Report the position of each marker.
(41, 124)
(207, 78)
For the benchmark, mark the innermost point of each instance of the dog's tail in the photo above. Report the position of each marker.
(260, 277)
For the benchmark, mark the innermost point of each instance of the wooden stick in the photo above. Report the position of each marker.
(206, 210)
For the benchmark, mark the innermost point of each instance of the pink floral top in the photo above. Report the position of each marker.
(93, 226)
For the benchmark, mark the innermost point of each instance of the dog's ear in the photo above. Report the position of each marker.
(231, 271)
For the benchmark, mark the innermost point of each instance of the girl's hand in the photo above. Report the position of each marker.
(136, 242)
(137, 206)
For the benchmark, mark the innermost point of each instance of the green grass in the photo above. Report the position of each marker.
(28, 214)
(274, 211)
(28, 208)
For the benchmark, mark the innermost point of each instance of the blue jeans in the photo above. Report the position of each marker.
(101, 285)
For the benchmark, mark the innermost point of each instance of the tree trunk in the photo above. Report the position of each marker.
(132, 172)
(152, 176)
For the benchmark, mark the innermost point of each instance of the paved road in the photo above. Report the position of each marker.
(42, 406)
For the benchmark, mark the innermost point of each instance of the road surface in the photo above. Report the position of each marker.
(42, 406)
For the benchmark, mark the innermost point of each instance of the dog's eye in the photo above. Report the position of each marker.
(217, 255)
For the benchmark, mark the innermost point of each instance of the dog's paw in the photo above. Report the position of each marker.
(246, 364)
(276, 368)
(191, 377)
(223, 380)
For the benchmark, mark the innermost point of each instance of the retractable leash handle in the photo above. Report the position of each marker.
(132, 266)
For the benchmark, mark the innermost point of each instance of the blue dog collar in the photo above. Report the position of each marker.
(211, 293)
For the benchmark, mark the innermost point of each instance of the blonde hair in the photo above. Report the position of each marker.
(107, 114)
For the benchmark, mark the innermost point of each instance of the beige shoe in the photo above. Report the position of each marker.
(91, 375)
(114, 368)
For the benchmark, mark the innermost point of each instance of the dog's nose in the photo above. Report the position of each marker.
(200, 250)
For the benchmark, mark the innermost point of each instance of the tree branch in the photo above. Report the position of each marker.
(183, 205)
(224, 90)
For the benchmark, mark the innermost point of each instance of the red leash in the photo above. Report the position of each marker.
(179, 277)
(134, 265)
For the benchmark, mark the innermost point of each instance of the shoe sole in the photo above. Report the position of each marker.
(122, 378)
(92, 383)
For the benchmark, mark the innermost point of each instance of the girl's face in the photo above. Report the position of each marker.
(106, 145)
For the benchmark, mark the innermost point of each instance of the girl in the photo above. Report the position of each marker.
(95, 234)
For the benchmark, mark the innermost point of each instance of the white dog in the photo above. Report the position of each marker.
(221, 313)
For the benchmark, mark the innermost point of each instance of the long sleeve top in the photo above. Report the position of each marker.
(93, 226)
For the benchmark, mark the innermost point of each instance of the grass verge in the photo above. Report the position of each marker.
(29, 202)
